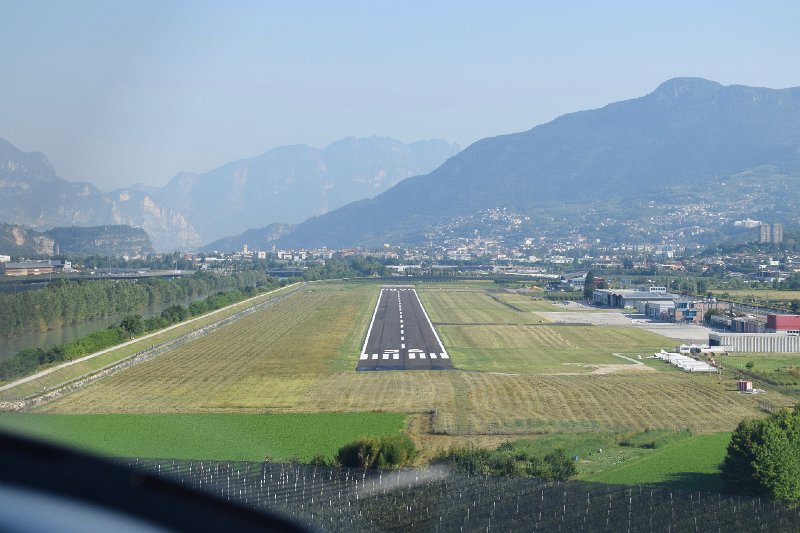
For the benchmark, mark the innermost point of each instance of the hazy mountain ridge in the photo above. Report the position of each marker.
(33, 195)
(292, 183)
(113, 240)
(18, 240)
(255, 239)
(688, 129)
(286, 184)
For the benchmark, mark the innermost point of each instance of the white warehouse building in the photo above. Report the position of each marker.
(756, 342)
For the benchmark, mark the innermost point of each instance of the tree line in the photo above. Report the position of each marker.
(31, 360)
(67, 302)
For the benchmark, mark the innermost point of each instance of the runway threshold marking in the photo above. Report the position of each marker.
(424, 312)
(396, 354)
(371, 323)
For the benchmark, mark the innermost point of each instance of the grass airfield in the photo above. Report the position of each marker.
(517, 375)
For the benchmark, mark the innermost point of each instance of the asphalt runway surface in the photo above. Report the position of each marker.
(401, 336)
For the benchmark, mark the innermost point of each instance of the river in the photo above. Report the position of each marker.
(68, 332)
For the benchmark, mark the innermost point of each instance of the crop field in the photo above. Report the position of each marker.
(693, 462)
(238, 437)
(427, 500)
(78, 369)
(299, 356)
(762, 294)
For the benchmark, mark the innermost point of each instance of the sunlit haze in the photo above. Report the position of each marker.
(123, 92)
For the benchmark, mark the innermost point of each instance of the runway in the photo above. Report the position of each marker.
(401, 336)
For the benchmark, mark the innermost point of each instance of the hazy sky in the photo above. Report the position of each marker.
(124, 92)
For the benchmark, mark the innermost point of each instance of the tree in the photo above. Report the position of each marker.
(702, 286)
(175, 313)
(763, 457)
(795, 306)
(588, 285)
(133, 324)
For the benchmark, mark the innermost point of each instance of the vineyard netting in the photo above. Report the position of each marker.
(434, 499)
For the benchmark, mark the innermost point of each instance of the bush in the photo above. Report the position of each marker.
(506, 461)
(385, 452)
(763, 457)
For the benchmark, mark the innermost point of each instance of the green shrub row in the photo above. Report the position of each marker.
(507, 461)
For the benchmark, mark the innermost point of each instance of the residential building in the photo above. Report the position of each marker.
(764, 233)
(777, 233)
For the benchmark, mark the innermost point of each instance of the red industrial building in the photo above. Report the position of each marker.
(783, 323)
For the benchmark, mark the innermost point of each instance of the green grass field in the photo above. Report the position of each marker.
(692, 463)
(299, 356)
(544, 349)
(469, 307)
(526, 304)
(762, 362)
(239, 437)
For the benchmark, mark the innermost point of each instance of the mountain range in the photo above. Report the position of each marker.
(682, 142)
(683, 134)
(285, 184)
(121, 240)
(33, 195)
(289, 184)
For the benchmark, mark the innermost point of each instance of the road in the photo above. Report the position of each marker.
(401, 336)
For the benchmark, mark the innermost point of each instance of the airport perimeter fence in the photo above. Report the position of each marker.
(434, 499)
